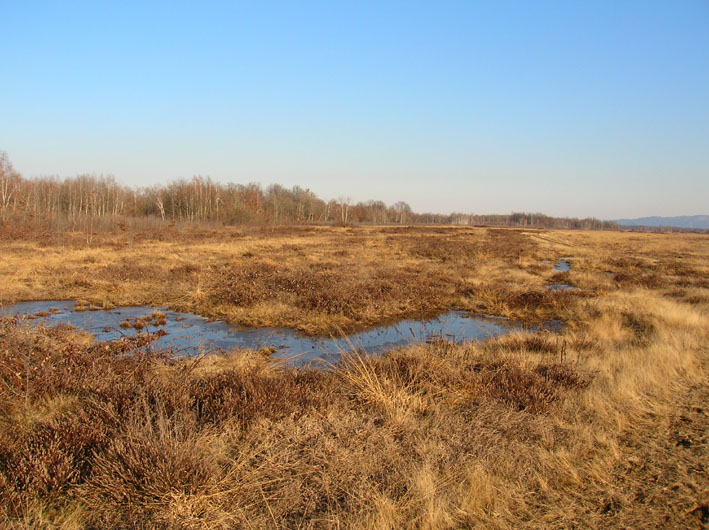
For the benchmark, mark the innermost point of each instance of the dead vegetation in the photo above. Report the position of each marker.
(142, 440)
(602, 424)
(314, 279)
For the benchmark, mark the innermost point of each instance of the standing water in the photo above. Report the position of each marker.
(189, 334)
(562, 265)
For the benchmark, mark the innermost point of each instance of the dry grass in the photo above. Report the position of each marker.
(311, 279)
(601, 425)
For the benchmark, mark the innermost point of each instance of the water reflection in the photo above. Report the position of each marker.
(189, 334)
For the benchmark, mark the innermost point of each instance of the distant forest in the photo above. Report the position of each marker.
(89, 202)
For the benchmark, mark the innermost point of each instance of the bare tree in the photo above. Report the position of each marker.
(160, 205)
(403, 211)
(344, 208)
(9, 180)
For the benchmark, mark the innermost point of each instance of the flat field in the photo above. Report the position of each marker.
(603, 424)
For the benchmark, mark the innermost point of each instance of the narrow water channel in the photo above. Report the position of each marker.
(562, 265)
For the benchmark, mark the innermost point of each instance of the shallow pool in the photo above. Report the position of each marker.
(189, 334)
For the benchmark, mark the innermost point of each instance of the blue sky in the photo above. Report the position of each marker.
(568, 108)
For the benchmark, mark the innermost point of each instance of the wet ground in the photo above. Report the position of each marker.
(189, 334)
(560, 286)
(562, 265)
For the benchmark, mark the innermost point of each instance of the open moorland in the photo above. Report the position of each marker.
(601, 424)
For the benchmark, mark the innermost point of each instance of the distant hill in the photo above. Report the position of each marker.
(684, 221)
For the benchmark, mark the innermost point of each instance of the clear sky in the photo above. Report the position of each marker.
(596, 108)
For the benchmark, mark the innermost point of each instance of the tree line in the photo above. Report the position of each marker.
(534, 220)
(89, 202)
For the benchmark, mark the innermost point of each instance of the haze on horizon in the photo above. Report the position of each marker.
(571, 109)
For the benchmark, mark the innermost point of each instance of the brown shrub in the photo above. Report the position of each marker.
(328, 289)
(542, 299)
(542, 342)
(647, 280)
(533, 390)
(130, 271)
(53, 457)
(253, 395)
(155, 458)
(443, 249)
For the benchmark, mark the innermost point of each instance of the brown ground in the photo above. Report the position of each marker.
(602, 425)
